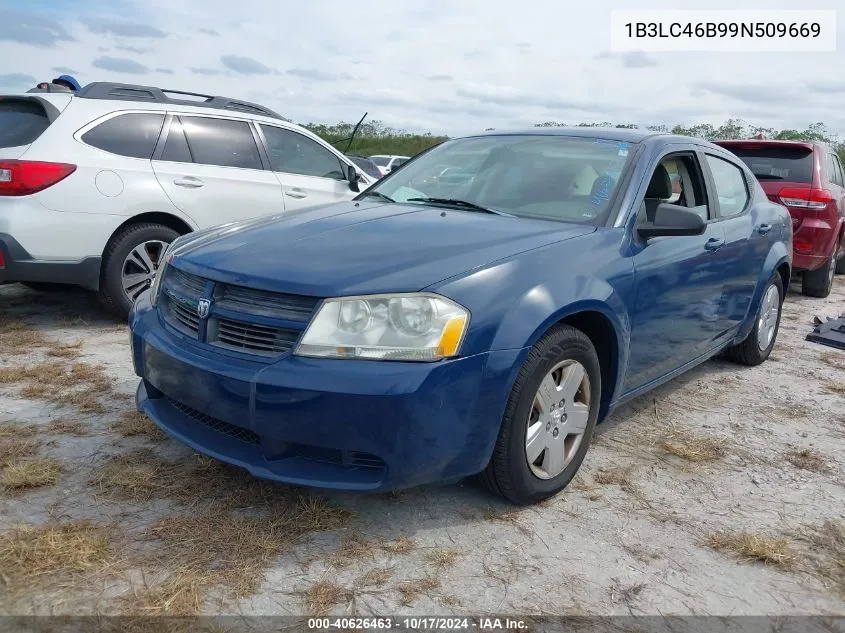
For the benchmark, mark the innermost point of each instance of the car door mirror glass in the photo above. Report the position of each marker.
(672, 220)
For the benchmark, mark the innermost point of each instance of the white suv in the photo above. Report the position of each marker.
(95, 185)
(387, 163)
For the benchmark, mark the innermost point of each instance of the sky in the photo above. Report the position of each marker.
(444, 66)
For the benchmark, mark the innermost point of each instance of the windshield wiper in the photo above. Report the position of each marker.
(462, 204)
(377, 194)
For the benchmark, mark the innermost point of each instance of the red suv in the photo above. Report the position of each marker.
(808, 179)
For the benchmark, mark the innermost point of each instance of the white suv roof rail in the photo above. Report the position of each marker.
(151, 94)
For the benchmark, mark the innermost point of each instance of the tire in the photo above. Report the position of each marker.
(44, 286)
(840, 266)
(818, 283)
(509, 473)
(111, 294)
(750, 352)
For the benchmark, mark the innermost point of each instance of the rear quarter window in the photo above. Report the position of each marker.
(789, 164)
(21, 122)
(133, 135)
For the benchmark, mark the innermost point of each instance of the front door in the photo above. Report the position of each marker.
(678, 279)
(211, 169)
(311, 175)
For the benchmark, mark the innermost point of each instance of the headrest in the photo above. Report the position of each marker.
(661, 185)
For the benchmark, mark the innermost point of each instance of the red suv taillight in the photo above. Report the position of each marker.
(25, 177)
(805, 198)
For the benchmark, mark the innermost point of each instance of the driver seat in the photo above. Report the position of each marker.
(659, 190)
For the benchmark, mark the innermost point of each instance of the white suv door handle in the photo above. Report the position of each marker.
(299, 194)
(188, 181)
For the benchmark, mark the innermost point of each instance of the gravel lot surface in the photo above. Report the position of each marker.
(720, 493)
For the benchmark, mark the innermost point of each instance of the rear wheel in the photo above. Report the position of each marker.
(759, 343)
(549, 419)
(130, 264)
(818, 283)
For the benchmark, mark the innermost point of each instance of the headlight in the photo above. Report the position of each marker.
(155, 288)
(415, 327)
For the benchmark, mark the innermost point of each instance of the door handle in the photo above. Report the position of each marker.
(714, 244)
(188, 181)
(764, 228)
(299, 194)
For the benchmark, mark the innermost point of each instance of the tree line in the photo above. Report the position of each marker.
(374, 137)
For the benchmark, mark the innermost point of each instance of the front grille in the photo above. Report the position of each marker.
(337, 457)
(235, 432)
(233, 311)
(251, 338)
(272, 304)
(182, 316)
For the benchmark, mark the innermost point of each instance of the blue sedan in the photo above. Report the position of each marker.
(476, 312)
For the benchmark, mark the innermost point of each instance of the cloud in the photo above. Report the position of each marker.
(64, 70)
(165, 71)
(17, 80)
(206, 71)
(209, 32)
(245, 65)
(102, 26)
(827, 87)
(120, 65)
(29, 28)
(633, 59)
(751, 92)
(317, 75)
(132, 49)
(440, 78)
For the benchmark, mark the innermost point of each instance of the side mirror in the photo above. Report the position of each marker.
(352, 177)
(670, 219)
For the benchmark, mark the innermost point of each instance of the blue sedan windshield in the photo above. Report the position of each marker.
(563, 178)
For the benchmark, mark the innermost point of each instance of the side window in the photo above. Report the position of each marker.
(221, 142)
(834, 169)
(293, 153)
(133, 135)
(731, 188)
(677, 180)
(839, 170)
(176, 148)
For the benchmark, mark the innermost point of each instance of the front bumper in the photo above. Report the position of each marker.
(351, 425)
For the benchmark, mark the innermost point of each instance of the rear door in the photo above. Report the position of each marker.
(837, 186)
(212, 170)
(311, 175)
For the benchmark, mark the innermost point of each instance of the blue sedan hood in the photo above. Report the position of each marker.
(360, 248)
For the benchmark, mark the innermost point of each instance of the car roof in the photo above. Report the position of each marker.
(627, 135)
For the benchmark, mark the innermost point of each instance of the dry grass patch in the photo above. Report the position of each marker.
(826, 555)
(180, 594)
(443, 557)
(837, 361)
(15, 429)
(835, 387)
(694, 448)
(76, 384)
(17, 337)
(322, 596)
(352, 548)
(13, 449)
(615, 476)
(749, 547)
(65, 350)
(375, 577)
(27, 475)
(68, 427)
(410, 590)
(29, 552)
(806, 459)
(135, 424)
(402, 545)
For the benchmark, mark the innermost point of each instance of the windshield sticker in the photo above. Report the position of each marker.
(622, 149)
(602, 190)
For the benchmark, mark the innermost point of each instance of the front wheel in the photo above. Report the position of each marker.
(549, 419)
(759, 343)
(130, 264)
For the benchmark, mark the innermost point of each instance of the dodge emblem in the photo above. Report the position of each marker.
(203, 307)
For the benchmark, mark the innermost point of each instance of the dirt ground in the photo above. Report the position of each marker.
(720, 493)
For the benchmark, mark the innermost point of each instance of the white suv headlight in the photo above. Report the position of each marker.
(407, 327)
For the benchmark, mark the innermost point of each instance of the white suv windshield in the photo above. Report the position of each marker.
(564, 178)
(381, 161)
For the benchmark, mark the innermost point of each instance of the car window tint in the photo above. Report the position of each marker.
(731, 187)
(769, 162)
(176, 145)
(221, 142)
(133, 135)
(839, 170)
(293, 153)
(21, 122)
(833, 170)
